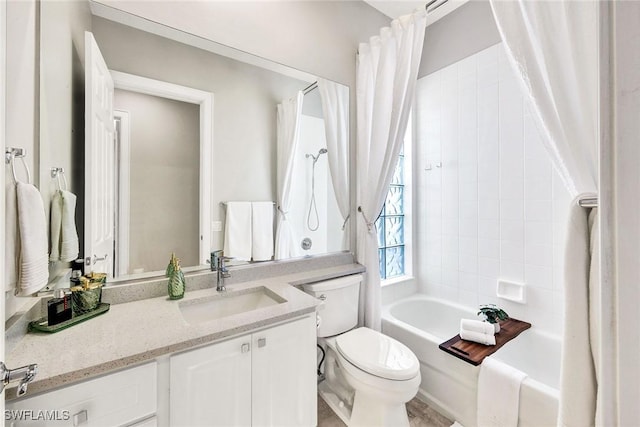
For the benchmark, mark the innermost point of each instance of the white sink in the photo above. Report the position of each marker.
(227, 304)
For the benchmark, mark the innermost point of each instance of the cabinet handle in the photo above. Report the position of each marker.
(80, 418)
(245, 348)
(262, 342)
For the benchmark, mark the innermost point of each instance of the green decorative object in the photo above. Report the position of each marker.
(176, 278)
(88, 295)
(493, 313)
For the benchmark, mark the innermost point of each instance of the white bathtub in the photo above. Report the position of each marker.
(449, 384)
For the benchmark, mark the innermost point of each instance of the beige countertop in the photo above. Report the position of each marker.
(135, 332)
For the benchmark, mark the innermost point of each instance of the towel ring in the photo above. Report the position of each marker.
(13, 168)
(56, 173)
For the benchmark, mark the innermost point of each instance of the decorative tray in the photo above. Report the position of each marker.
(475, 353)
(41, 325)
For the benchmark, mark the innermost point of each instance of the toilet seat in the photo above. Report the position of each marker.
(378, 354)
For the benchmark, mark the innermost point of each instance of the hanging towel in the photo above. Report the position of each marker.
(580, 354)
(237, 231)
(12, 240)
(262, 231)
(64, 236)
(33, 265)
(498, 394)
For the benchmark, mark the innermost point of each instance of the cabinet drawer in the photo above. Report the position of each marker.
(112, 400)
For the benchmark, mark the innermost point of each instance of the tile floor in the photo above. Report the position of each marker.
(420, 415)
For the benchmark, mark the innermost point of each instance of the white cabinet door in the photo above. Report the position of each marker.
(211, 386)
(113, 400)
(284, 375)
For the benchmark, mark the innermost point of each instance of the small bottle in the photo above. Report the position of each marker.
(59, 307)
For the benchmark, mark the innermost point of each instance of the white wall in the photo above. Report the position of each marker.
(21, 108)
(465, 31)
(626, 42)
(164, 180)
(496, 208)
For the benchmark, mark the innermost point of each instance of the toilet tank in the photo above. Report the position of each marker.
(339, 311)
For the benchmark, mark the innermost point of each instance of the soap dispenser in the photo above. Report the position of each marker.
(176, 278)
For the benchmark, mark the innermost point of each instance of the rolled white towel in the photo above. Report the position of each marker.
(477, 326)
(486, 339)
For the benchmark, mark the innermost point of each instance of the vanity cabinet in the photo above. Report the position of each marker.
(266, 378)
(124, 398)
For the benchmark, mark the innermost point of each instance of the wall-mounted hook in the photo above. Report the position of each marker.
(55, 171)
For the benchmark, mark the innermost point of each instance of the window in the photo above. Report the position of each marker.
(391, 226)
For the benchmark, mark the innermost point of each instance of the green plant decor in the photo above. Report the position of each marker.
(493, 313)
(176, 278)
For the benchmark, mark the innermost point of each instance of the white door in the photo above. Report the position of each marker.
(99, 161)
(211, 386)
(3, 75)
(284, 375)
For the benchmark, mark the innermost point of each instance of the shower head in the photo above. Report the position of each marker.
(316, 157)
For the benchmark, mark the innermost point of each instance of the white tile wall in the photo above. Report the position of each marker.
(496, 209)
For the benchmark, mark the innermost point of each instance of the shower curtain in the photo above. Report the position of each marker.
(288, 132)
(335, 110)
(387, 70)
(553, 46)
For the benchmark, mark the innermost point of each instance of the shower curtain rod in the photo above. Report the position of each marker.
(426, 6)
(309, 88)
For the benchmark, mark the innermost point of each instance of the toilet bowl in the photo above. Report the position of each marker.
(383, 373)
(368, 376)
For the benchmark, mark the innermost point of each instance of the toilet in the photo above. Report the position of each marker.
(368, 376)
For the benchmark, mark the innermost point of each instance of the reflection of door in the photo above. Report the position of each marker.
(99, 161)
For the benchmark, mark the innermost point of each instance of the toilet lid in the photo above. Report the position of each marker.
(378, 354)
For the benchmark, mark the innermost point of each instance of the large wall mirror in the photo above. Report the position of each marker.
(178, 160)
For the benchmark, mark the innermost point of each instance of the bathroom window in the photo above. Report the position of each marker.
(393, 224)
(390, 226)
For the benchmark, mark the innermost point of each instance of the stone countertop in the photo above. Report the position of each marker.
(140, 331)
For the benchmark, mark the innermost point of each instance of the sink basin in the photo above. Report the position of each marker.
(227, 304)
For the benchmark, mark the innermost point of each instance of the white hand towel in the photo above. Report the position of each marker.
(479, 337)
(262, 230)
(33, 270)
(64, 236)
(498, 394)
(55, 226)
(69, 245)
(237, 231)
(12, 240)
(477, 326)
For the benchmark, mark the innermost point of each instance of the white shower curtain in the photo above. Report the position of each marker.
(553, 46)
(335, 110)
(385, 85)
(288, 132)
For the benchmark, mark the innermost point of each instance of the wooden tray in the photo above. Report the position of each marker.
(474, 353)
(41, 325)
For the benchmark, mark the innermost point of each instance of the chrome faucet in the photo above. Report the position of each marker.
(222, 271)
